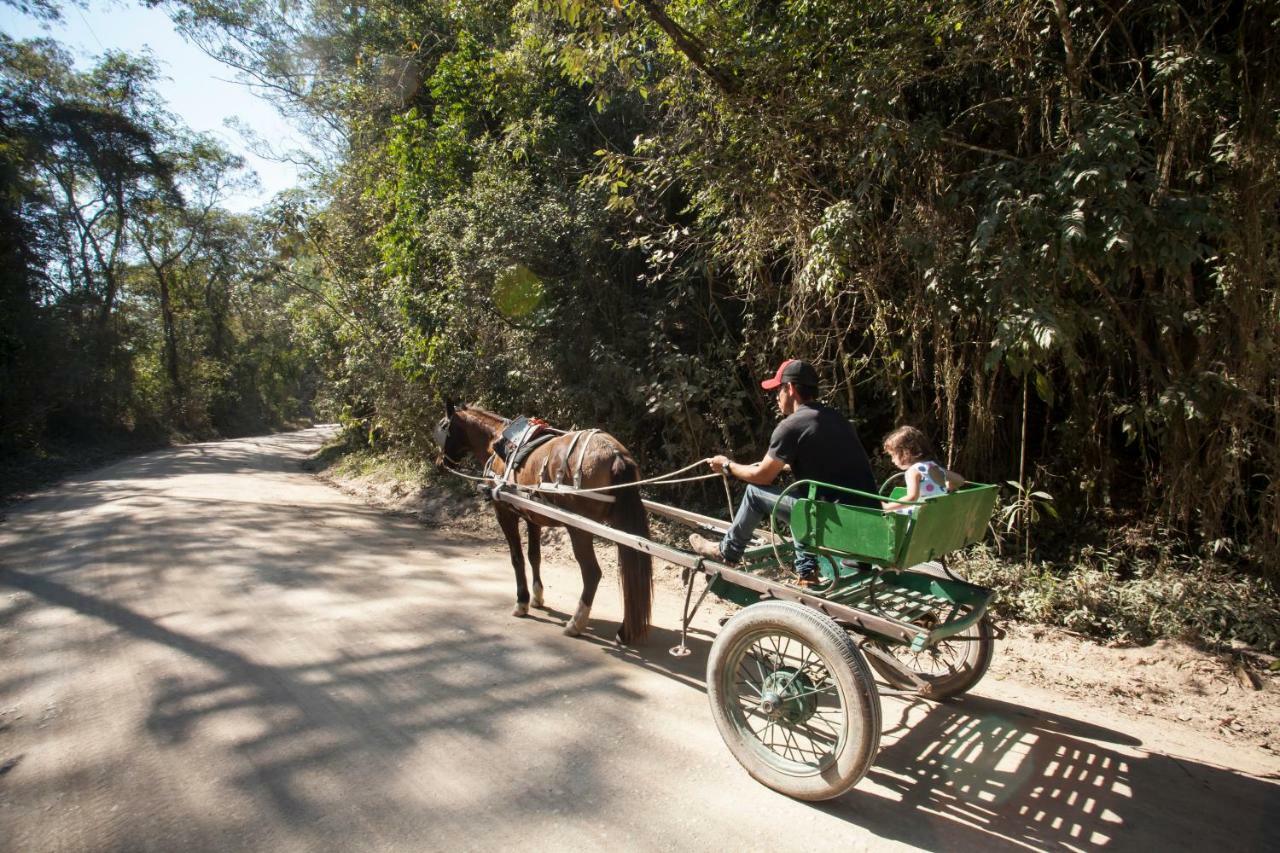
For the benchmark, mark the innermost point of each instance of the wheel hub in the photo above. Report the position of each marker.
(788, 695)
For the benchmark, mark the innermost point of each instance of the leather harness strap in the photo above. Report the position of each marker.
(564, 469)
(577, 474)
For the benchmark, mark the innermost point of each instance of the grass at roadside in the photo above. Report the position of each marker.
(337, 459)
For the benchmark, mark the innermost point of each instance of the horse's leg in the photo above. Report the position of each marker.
(510, 524)
(535, 562)
(585, 554)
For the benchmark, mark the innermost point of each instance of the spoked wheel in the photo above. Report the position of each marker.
(794, 700)
(953, 665)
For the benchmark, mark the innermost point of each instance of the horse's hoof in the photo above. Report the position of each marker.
(521, 610)
(578, 623)
(537, 596)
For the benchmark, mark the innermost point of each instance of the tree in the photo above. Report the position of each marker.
(124, 270)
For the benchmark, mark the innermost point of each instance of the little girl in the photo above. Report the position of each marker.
(909, 449)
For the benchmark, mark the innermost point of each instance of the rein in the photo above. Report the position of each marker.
(668, 479)
(598, 493)
(660, 480)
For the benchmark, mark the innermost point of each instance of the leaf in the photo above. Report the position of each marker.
(1121, 242)
(1086, 175)
(1044, 389)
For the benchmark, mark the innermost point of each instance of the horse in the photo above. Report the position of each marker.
(589, 460)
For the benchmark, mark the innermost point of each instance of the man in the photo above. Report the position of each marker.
(817, 442)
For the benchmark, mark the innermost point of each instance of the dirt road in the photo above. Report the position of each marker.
(207, 649)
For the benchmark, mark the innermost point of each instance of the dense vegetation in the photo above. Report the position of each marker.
(131, 303)
(1044, 231)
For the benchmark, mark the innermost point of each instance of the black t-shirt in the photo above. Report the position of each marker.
(819, 444)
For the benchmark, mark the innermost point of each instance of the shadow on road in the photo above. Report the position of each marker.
(982, 774)
(977, 772)
(354, 707)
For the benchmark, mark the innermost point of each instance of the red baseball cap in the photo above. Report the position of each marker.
(792, 370)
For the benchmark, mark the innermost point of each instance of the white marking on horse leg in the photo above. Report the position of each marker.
(522, 609)
(575, 626)
(536, 601)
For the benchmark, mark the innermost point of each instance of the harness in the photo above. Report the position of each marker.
(521, 437)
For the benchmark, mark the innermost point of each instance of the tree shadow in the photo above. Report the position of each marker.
(316, 717)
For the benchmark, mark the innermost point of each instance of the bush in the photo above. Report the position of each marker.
(1104, 597)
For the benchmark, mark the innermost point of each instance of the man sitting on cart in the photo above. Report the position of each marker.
(817, 442)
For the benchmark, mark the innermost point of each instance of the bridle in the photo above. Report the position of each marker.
(450, 461)
(442, 438)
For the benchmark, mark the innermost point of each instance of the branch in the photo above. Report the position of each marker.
(690, 46)
(1121, 317)
(1073, 67)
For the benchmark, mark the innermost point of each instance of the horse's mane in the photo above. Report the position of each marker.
(481, 414)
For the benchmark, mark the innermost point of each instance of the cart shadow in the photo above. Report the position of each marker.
(981, 774)
(657, 653)
(976, 773)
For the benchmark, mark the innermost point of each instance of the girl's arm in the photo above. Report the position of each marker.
(954, 481)
(912, 478)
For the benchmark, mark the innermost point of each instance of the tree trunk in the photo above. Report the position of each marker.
(170, 335)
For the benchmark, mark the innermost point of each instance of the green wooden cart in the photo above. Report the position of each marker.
(790, 676)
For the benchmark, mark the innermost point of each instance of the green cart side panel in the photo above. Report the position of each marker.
(948, 524)
(867, 533)
(891, 539)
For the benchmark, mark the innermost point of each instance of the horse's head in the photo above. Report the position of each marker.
(466, 430)
(451, 436)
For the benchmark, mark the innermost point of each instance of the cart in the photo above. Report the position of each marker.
(789, 676)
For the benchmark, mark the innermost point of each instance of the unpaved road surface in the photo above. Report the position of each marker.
(207, 649)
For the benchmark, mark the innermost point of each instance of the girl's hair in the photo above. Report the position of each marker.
(911, 440)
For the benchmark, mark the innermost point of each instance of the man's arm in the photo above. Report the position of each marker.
(760, 473)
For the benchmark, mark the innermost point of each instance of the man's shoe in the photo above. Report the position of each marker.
(704, 547)
(809, 581)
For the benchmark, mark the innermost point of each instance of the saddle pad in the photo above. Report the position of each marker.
(520, 438)
(529, 447)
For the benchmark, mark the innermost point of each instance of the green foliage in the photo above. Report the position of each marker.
(1050, 243)
(1099, 596)
(128, 294)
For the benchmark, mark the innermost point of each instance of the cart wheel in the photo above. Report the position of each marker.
(794, 700)
(953, 665)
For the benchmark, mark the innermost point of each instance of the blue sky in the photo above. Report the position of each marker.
(202, 92)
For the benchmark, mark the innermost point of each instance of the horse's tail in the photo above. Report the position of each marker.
(628, 514)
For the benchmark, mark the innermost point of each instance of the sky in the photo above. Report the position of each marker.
(201, 91)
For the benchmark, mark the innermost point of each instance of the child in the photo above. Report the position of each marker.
(909, 449)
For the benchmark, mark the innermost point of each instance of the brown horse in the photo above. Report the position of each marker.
(590, 460)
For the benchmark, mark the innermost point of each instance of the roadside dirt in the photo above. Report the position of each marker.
(1229, 699)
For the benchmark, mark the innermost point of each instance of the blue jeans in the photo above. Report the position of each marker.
(756, 506)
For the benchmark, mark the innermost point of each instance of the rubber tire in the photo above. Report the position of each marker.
(860, 700)
(979, 646)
